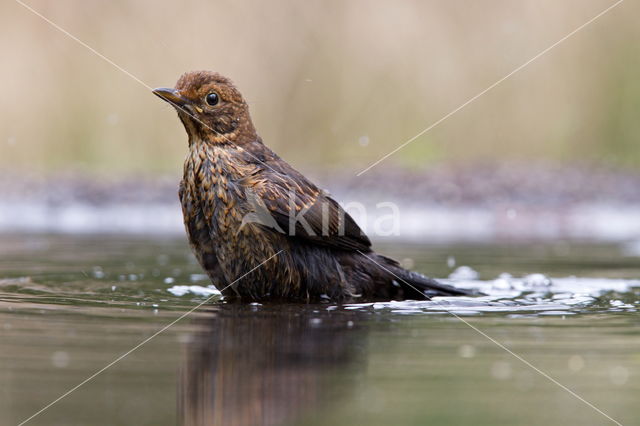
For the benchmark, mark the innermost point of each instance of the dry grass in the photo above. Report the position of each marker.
(320, 75)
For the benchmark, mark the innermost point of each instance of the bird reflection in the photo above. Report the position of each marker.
(268, 365)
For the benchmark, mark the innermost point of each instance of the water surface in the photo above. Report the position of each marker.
(71, 305)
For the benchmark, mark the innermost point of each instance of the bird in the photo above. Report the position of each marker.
(259, 228)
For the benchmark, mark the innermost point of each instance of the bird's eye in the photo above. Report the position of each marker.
(212, 98)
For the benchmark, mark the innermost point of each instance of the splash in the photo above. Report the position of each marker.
(531, 295)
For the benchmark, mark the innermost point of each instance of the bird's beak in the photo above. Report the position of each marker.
(171, 95)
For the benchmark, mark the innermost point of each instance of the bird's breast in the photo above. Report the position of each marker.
(214, 177)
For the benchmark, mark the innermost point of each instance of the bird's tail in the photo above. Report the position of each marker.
(415, 285)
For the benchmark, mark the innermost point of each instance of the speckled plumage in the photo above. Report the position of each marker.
(227, 171)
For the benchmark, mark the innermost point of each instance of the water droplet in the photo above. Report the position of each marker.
(467, 351)
(619, 375)
(502, 284)
(451, 262)
(464, 273)
(501, 370)
(537, 280)
(315, 322)
(60, 359)
(198, 277)
(98, 272)
(576, 363)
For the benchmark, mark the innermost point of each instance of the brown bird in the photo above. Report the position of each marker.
(243, 205)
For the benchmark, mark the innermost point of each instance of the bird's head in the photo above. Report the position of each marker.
(211, 108)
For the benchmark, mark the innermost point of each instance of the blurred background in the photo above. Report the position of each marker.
(333, 86)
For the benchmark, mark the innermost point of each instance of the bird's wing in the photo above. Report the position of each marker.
(301, 210)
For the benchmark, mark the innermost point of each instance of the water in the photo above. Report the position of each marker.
(69, 306)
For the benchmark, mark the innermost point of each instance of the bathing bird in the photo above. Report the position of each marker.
(260, 229)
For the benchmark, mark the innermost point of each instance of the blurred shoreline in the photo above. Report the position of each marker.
(482, 203)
